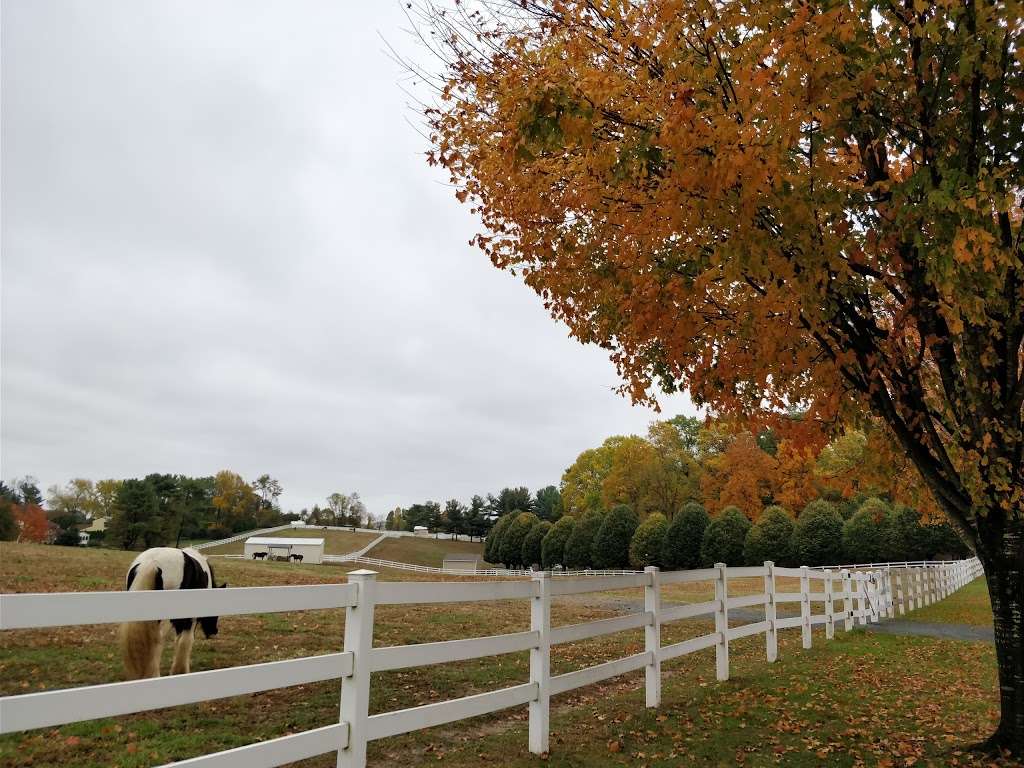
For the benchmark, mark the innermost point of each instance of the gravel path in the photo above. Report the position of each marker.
(929, 629)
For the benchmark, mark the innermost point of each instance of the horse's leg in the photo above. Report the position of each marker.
(183, 650)
(157, 651)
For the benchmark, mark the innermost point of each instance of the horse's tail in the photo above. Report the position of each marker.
(140, 640)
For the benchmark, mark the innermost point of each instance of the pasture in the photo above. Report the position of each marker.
(862, 699)
(422, 550)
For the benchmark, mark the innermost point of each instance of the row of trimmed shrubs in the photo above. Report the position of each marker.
(876, 532)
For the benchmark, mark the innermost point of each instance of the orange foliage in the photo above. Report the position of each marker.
(797, 484)
(743, 476)
(32, 522)
(767, 204)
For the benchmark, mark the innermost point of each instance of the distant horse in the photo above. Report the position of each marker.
(142, 641)
(296, 558)
(259, 555)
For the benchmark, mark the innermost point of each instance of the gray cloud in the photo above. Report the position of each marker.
(222, 248)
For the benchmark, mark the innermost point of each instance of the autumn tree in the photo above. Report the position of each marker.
(796, 483)
(775, 202)
(32, 523)
(742, 476)
(583, 481)
(235, 502)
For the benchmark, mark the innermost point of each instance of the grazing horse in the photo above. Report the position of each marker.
(296, 558)
(142, 641)
(259, 555)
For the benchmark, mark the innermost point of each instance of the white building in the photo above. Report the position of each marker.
(311, 550)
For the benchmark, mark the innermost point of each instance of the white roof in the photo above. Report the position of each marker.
(283, 542)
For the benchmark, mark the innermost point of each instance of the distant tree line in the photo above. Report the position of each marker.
(475, 519)
(873, 530)
(159, 509)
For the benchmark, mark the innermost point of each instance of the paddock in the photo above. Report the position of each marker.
(311, 550)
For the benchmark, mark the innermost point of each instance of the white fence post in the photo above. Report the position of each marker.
(876, 606)
(805, 606)
(722, 623)
(862, 591)
(355, 689)
(900, 595)
(771, 635)
(847, 600)
(830, 625)
(540, 665)
(652, 635)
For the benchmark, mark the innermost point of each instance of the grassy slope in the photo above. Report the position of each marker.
(423, 551)
(862, 699)
(335, 542)
(971, 606)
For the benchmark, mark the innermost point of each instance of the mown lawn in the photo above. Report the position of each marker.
(335, 542)
(423, 550)
(862, 699)
(971, 606)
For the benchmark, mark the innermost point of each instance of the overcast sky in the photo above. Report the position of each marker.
(222, 248)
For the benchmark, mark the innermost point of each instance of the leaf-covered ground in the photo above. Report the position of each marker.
(862, 699)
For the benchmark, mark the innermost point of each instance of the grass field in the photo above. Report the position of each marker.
(423, 551)
(335, 542)
(863, 699)
(971, 606)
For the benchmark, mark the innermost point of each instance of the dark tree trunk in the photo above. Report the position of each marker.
(1004, 571)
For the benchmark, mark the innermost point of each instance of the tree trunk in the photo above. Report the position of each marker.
(1004, 571)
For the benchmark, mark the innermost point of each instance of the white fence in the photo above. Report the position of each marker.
(861, 597)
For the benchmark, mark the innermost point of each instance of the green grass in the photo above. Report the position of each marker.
(862, 699)
(335, 542)
(422, 550)
(971, 606)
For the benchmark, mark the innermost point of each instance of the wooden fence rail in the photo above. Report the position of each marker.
(840, 594)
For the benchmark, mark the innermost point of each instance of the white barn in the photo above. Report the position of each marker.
(312, 550)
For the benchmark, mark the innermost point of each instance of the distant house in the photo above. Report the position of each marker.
(96, 524)
(83, 538)
(464, 562)
(420, 530)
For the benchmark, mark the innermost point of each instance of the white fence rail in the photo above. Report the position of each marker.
(843, 596)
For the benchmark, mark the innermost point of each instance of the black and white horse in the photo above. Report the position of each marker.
(142, 641)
